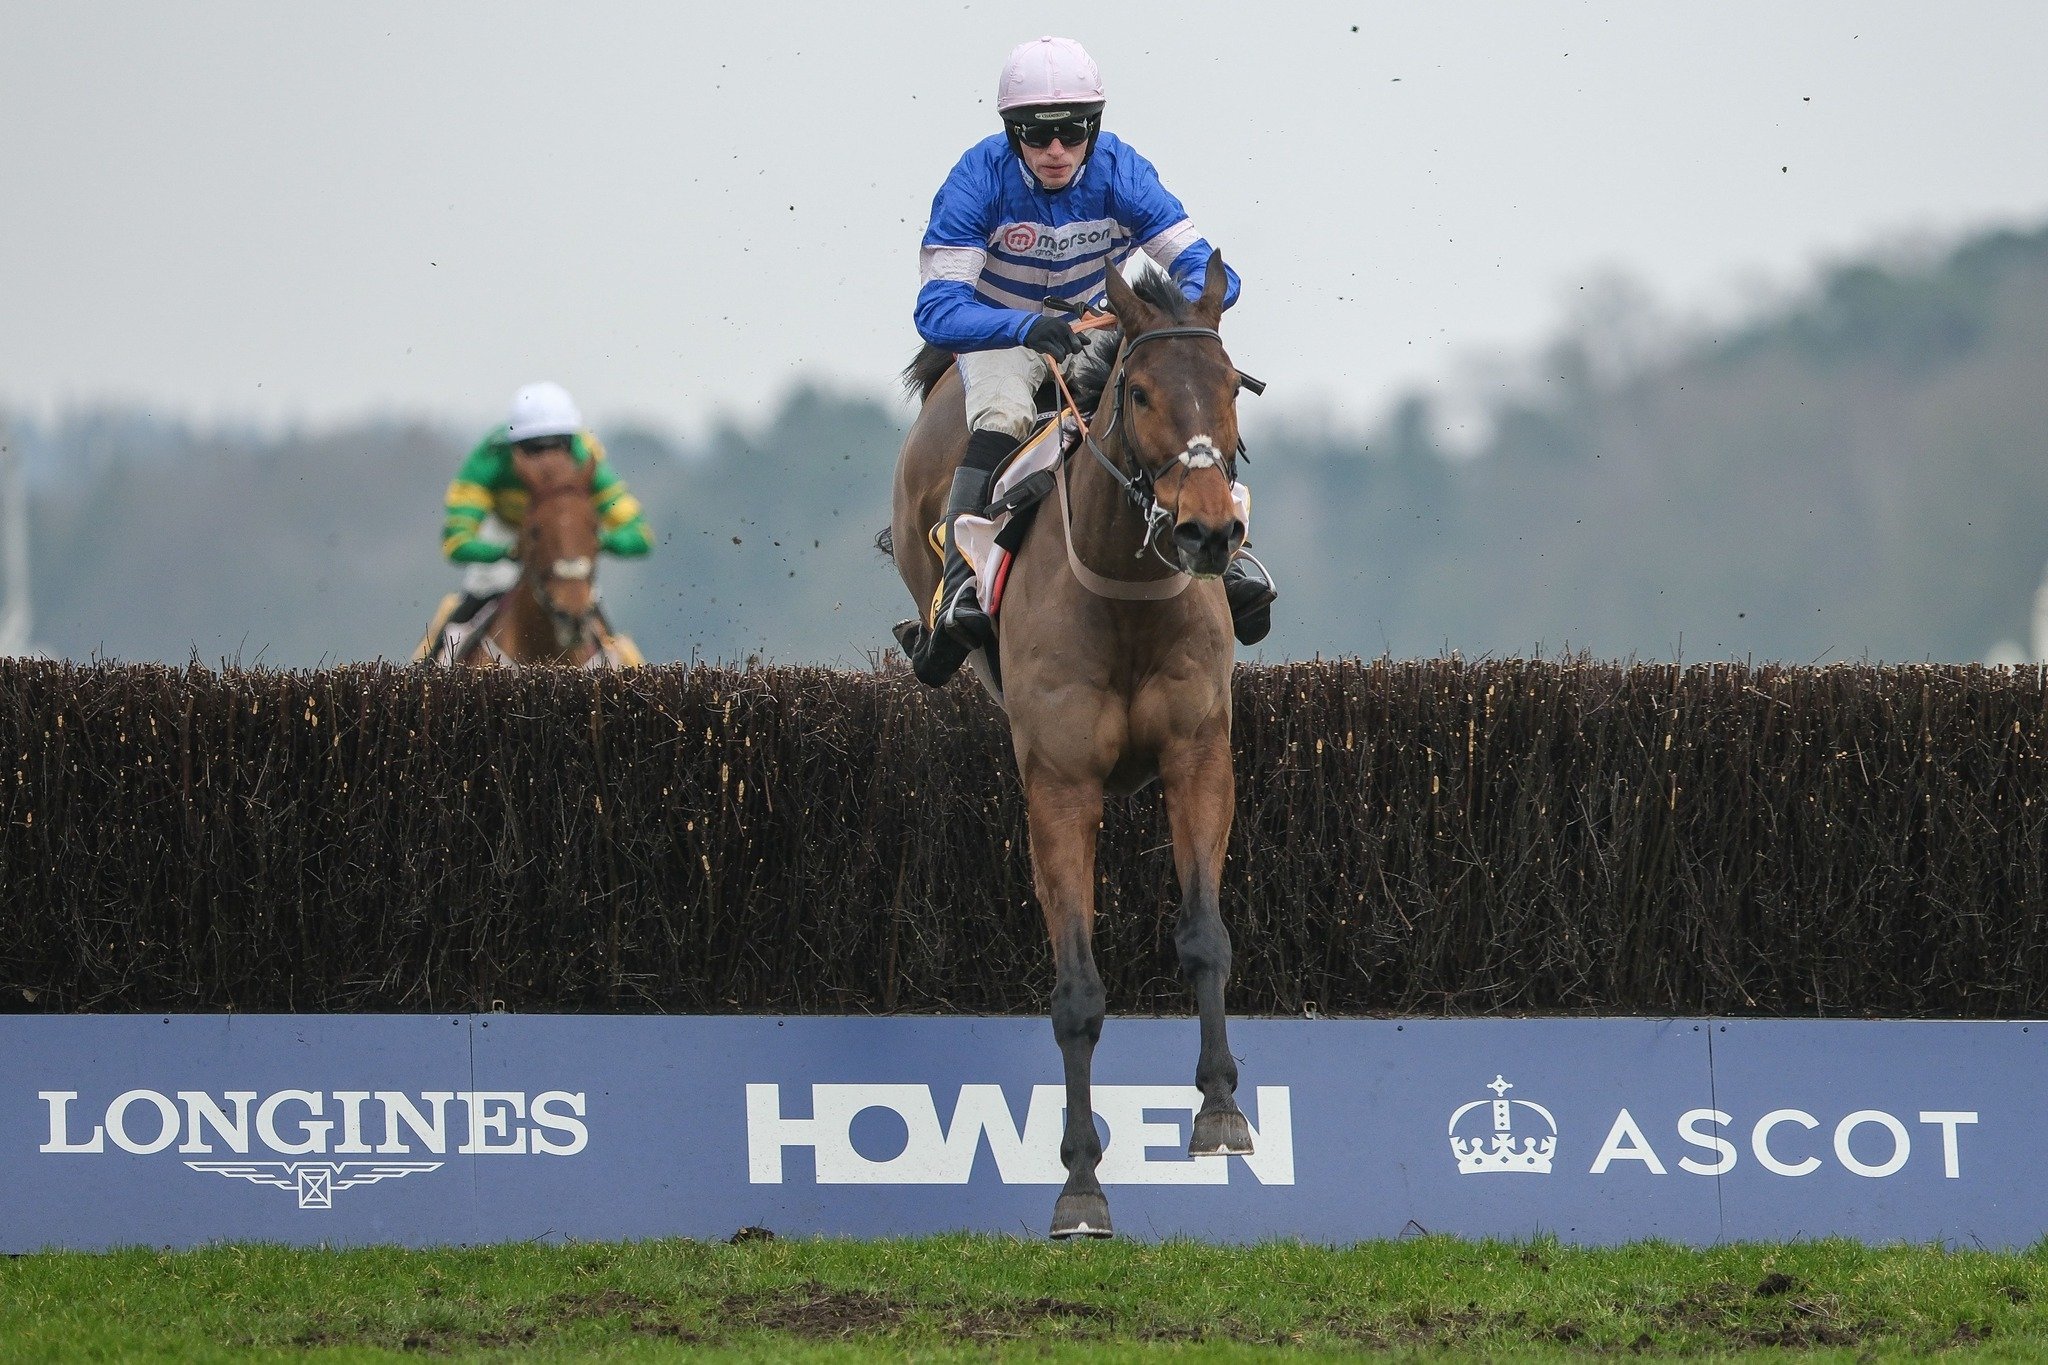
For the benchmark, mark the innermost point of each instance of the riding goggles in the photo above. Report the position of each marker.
(1073, 133)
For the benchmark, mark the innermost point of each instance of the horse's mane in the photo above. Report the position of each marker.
(1153, 285)
(1157, 288)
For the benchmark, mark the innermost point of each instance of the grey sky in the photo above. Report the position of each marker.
(312, 212)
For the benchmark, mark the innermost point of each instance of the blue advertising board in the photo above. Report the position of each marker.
(431, 1130)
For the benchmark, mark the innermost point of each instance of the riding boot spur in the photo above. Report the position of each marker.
(1250, 591)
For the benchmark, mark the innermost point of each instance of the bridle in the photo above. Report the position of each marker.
(1140, 488)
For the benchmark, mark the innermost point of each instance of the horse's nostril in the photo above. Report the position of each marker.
(1205, 549)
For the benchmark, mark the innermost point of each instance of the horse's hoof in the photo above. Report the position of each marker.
(1221, 1132)
(1081, 1215)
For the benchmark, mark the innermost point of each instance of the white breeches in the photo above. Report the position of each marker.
(488, 580)
(1002, 389)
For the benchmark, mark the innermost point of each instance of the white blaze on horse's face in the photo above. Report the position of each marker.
(1206, 530)
(1201, 453)
(568, 598)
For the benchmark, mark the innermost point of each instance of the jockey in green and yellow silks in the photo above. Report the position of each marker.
(488, 484)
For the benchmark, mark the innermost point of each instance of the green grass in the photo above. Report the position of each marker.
(983, 1297)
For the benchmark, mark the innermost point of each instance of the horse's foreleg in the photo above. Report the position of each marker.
(1064, 819)
(1201, 795)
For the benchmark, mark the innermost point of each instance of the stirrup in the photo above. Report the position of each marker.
(1249, 589)
(964, 620)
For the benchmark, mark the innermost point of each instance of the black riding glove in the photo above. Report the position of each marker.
(1051, 337)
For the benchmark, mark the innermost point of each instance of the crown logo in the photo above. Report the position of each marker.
(1482, 1151)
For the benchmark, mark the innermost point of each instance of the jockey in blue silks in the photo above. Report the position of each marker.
(1042, 210)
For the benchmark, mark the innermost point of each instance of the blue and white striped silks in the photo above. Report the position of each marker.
(998, 246)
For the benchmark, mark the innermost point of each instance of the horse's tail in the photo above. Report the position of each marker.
(921, 375)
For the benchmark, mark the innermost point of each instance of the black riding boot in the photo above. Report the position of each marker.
(466, 610)
(959, 625)
(1251, 593)
(959, 613)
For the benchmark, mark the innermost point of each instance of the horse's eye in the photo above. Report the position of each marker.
(1138, 395)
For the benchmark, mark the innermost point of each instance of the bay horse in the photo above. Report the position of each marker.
(550, 615)
(1116, 654)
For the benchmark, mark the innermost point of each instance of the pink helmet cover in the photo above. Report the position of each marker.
(1048, 71)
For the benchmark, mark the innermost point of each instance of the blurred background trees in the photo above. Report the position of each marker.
(1858, 472)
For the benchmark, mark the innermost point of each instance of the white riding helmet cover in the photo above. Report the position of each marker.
(542, 409)
(1048, 71)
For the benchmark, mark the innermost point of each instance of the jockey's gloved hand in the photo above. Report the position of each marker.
(1051, 337)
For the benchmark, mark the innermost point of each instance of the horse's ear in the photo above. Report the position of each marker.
(1133, 313)
(1215, 284)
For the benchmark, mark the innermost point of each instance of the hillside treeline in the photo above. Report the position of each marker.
(1862, 472)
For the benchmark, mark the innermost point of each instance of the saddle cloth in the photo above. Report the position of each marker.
(978, 535)
(448, 645)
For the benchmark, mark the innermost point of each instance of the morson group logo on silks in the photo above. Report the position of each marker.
(1503, 1136)
(1148, 1135)
(1034, 239)
(379, 1125)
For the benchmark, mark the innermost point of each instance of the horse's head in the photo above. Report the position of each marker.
(1175, 401)
(558, 542)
